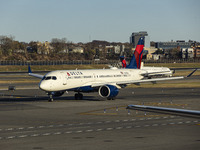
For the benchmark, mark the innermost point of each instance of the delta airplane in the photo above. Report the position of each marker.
(135, 63)
(106, 82)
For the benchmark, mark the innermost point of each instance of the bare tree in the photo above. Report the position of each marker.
(58, 44)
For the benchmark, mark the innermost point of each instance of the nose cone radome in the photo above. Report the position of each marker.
(43, 86)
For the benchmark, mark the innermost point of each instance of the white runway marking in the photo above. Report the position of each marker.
(57, 133)
(22, 136)
(10, 130)
(68, 132)
(10, 137)
(35, 135)
(89, 130)
(99, 129)
(99, 122)
(45, 134)
(30, 127)
(109, 128)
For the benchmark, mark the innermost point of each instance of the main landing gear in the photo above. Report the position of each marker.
(109, 98)
(78, 96)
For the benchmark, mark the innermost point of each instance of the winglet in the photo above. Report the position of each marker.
(29, 69)
(192, 73)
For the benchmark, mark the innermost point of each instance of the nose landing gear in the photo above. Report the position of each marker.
(50, 98)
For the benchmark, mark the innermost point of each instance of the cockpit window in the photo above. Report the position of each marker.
(54, 78)
(49, 78)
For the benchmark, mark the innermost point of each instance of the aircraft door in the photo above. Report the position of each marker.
(64, 78)
(94, 76)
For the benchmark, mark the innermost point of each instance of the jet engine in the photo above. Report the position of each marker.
(108, 91)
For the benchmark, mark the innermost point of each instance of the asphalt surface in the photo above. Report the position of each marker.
(29, 121)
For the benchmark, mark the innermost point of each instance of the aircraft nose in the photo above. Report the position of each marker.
(42, 86)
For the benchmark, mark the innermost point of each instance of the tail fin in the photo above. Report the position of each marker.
(29, 69)
(136, 59)
(122, 58)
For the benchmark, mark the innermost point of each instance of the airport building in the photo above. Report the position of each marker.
(135, 36)
(173, 44)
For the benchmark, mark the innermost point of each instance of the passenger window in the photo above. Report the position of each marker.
(47, 78)
(54, 78)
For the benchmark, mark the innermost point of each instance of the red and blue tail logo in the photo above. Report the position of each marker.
(135, 62)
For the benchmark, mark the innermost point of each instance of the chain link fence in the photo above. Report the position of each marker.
(75, 62)
(92, 62)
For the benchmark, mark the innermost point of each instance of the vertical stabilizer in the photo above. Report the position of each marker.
(136, 59)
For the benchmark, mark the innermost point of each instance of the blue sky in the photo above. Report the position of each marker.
(110, 20)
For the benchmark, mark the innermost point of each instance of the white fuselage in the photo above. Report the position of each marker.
(63, 80)
(164, 71)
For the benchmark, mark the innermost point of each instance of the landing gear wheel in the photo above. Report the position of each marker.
(81, 96)
(50, 98)
(113, 98)
(78, 96)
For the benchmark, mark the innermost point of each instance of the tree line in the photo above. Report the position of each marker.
(64, 50)
(57, 49)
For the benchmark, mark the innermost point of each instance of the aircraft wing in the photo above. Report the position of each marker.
(164, 110)
(134, 81)
(36, 75)
(140, 81)
(155, 79)
(33, 74)
(149, 80)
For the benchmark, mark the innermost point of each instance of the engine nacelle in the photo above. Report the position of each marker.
(56, 94)
(108, 91)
